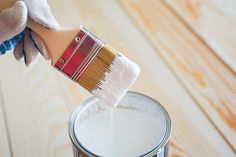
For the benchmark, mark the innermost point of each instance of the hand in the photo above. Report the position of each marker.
(30, 48)
(14, 18)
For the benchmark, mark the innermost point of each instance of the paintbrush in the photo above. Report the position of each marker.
(87, 60)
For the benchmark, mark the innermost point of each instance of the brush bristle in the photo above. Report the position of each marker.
(109, 76)
(95, 72)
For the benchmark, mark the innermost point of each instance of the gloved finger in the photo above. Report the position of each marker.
(18, 52)
(40, 12)
(30, 52)
(14, 18)
(38, 43)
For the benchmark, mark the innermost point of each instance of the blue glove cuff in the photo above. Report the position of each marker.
(11, 44)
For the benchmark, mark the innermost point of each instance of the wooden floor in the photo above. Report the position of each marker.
(187, 53)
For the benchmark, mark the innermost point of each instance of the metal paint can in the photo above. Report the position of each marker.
(131, 101)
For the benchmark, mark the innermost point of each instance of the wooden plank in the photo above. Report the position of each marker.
(4, 142)
(38, 100)
(211, 25)
(37, 114)
(225, 7)
(206, 78)
(193, 134)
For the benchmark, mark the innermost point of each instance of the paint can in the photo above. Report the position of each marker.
(140, 127)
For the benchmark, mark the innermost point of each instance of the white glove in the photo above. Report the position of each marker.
(14, 18)
(30, 47)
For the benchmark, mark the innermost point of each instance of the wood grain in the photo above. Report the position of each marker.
(208, 81)
(211, 26)
(4, 142)
(37, 114)
(108, 21)
(38, 100)
(225, 7)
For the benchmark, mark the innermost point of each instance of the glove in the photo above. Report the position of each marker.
(30, 48)
(18, 15)
(14, 18)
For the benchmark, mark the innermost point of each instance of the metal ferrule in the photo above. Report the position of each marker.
(79, 54)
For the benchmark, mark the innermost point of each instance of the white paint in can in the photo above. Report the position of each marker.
(138, 127)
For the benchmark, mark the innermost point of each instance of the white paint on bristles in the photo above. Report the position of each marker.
(123, 73)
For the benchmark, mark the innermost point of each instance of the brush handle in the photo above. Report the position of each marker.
(71, 50)
(55, 41)
(6, 4)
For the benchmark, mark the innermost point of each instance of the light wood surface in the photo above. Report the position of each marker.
(211, 25)
(209, 81)
(177, 68)
(4, 142)
(225, 7)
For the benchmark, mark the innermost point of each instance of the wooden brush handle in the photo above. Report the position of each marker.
(6, 4)
(55, 41)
